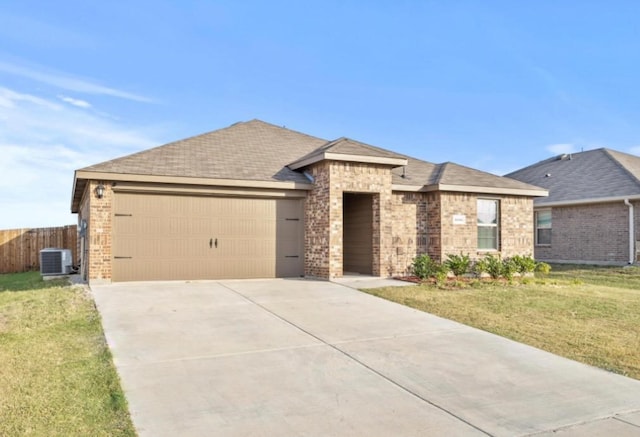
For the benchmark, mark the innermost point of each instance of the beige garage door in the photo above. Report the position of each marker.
(172, 237)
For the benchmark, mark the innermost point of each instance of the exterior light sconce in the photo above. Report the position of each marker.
(100, 190)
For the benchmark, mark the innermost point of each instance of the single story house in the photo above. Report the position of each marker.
(255, 200)
(590, 214)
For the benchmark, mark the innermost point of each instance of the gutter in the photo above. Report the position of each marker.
(631, 231)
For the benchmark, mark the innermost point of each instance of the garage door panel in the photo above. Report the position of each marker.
(163, 237)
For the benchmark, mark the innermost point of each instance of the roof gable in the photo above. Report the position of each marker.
(346, 149)
(584, 176)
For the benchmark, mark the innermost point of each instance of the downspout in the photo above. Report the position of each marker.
(631, 232)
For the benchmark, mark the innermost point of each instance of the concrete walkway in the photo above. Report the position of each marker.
(311, 358)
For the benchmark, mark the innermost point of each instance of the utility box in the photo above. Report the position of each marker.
(55, 261)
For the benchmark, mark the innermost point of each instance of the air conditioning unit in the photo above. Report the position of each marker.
(55, 261)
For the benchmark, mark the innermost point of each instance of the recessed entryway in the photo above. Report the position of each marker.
(357, 238)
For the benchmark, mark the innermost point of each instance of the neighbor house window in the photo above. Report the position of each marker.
(488, 224)
(543, 227)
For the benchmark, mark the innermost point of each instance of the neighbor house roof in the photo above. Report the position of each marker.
(585, 177)
(259, 154)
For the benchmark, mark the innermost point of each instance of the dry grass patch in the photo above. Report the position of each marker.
(592, 318)
(56, 373)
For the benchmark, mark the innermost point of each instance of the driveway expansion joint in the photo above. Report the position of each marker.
(369, 368)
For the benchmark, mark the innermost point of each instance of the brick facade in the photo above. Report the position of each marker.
(405, 224)
(424, 223)
(98, 214)
(595, 233)
(324, 215)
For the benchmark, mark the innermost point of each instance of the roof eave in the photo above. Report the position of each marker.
(81, 176)
(471, 189)
(394, 162)
(588, 201)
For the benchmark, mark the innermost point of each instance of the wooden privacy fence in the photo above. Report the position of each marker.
(20, 248)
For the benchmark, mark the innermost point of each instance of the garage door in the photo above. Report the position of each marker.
(172, 237)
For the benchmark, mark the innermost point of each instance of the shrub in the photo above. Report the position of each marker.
(494, 266)
(424, 267)
(524, 264)
(480, 267)
(508, 268)
(458, 264)
(440, 275)
(543, 268)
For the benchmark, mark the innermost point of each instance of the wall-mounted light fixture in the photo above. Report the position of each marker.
(100, 190)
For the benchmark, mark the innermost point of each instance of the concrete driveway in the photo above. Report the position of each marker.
(312, 358)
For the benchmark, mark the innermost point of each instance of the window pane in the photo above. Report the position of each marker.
(487, 212)
(543, 219)
(544, 236)
(487, 237)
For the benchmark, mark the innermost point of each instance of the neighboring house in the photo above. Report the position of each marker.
(591, 213)
(255, 200)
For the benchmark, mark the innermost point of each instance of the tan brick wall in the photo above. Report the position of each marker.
(317, 219)
(99, 216)
(590, 233)
(516, 223)
(412, 232)
(516, 229)
(405, 224)
(324, 215)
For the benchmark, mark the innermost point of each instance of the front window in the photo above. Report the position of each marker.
(543, 227)
(488, 224)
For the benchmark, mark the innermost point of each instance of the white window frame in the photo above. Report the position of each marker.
(536, 227)
(489, 225)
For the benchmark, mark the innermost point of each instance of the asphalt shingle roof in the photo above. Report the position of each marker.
(252, 150)
(594, 174)
(425, 173)
(259, 151)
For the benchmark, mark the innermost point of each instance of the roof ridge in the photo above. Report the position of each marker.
(279, 127)
(621, 165)
(370, 146)
(440, 172)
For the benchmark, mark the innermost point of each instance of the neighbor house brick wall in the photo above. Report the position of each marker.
(589, 233)
(636, 215)
(99, 215)
(324, 215)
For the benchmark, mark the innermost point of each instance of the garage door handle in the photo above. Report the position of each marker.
(211, 243)
(216, 243)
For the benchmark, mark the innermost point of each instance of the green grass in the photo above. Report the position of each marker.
(589, 314)
(56, 372)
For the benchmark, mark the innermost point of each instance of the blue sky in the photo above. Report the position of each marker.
(495, 85)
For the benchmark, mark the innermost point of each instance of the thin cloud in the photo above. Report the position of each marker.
(69, 83)
(559, 149)
(75, 102)
(635, 150)
(41, 143)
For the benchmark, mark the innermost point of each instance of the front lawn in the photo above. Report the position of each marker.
(588, 314)
(56, 373)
